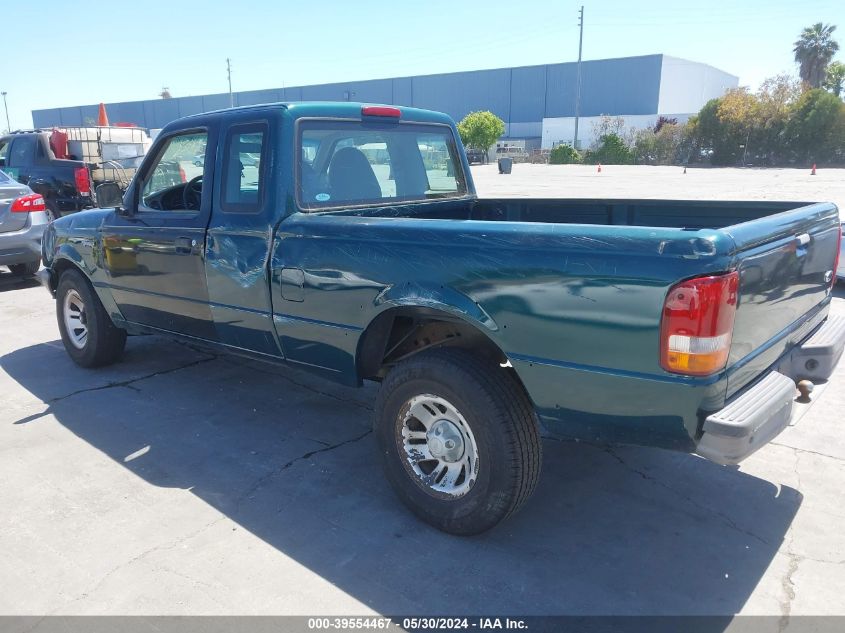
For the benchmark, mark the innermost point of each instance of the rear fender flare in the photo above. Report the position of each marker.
(439, 298)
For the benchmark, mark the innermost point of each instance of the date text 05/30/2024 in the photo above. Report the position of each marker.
(416, 624)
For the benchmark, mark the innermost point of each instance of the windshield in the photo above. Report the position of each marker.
(352, 163)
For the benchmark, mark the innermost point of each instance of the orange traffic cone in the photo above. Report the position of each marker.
(103, 119)
(813, 173)
(599, 170)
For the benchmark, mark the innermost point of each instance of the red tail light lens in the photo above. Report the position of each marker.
(381, 111)
(697, 324)
(83, 181)
(29, 204)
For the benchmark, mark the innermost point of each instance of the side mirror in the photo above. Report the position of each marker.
(109, 195)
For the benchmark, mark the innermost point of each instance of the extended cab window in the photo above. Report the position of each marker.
(175, 181)
(349, 163)
(243, 172)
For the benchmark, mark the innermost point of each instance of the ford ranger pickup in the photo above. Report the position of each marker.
(347, 239)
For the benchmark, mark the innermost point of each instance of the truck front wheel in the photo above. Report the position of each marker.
(89, 336)
(458, 438)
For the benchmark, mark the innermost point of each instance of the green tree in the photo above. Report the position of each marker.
(813, 51)
(835, 78)
(610, 150)
(741, 110)
(671, 144)
(722, 138)
(776, 98)
(564, 155)
(816, 130)
(480, 130)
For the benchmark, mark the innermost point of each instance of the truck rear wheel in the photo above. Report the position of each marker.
(88, 334)
(458, 438)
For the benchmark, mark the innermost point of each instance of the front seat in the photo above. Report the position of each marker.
(351, 177)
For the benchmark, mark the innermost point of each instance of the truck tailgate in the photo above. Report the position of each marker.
(786, 265)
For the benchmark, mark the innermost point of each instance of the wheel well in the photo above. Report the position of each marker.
(399, 334)
(58, 268)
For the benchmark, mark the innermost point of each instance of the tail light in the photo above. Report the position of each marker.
(83, 181)
(838, 253)
(387, 111)
(29, 204)
(697, 324)
(182, 176)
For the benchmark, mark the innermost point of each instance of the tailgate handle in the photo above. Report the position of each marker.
(803, 239)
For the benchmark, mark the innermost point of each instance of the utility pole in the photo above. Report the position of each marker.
(229, 73)
(6, 107)
(578, 79)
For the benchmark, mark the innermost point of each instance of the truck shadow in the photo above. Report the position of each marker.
(8, 281)
(291, 459)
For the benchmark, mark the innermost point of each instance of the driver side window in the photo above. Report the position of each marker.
(175, 182)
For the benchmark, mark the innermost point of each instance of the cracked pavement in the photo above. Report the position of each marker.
(185, 482)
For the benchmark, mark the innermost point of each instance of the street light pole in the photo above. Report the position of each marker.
(578, 79)
(6, 107)
(229, 73)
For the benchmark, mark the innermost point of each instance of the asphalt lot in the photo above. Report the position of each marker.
(181, 482)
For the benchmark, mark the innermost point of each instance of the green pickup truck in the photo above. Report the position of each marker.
(346, 239)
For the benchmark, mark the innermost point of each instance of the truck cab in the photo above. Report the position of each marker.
(64, 184)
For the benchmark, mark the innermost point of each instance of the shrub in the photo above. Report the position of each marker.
(816, 129)
(564, 155)
(611, 150)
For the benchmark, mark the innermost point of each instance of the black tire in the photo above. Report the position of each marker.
(501, 419)
(104, 343)
(25, 270)
(52, 211)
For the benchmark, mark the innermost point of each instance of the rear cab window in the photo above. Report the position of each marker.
(359, 163)
(23, 152)
(244, 168)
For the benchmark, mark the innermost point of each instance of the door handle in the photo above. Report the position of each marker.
(185, 245)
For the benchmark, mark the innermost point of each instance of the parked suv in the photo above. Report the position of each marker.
(64, 184)
(476, 156)
(23, 218)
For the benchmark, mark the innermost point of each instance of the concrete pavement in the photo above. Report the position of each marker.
(182, 482)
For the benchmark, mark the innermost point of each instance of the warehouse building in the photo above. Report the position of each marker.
(537, 103)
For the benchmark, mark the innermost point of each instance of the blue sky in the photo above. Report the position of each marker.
(121, 51)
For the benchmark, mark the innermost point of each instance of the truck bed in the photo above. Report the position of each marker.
(576, 287)
(684, 214)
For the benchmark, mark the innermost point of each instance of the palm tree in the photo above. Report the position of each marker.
(813, 52)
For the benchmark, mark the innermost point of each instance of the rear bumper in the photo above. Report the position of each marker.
(758, 414)
(24, 246)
